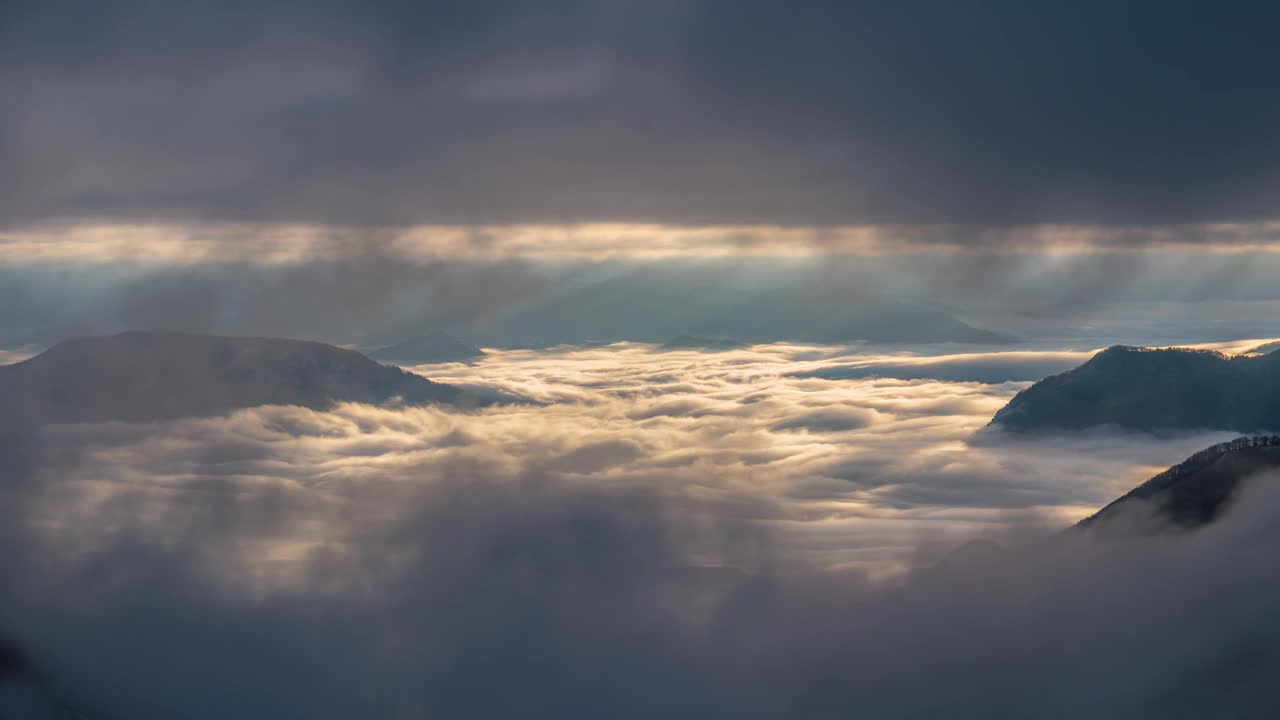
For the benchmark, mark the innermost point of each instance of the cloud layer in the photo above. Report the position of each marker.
(459, 589)
(676, 533)
(850, 472)
(381, 113)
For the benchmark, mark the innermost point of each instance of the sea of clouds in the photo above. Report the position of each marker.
(662, 534)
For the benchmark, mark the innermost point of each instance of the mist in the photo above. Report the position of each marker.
(493, 590)
(372, 295)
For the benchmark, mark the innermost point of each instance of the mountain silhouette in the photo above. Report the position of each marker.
(435, 347)
(697, 342)
(1194, 492)
(144, 376)
(1150, 390)
(634, 311)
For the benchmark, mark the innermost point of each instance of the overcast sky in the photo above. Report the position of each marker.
(928, 121)
(1009, 164)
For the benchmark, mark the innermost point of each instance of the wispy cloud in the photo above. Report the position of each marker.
(87, 241)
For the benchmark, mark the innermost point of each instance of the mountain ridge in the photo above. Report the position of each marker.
(1153, 389)
(140, 376)
(434, 347)
(1196, 491)
(703, 343)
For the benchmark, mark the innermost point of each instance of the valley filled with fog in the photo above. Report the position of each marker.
(685, 531)
(855, 471)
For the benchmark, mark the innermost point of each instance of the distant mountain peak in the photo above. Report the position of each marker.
(1153, 389)
(702, 342)
(436, 346)
(145, 376)
(1115, 351)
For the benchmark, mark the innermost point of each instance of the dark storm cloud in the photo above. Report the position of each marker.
(710, 111)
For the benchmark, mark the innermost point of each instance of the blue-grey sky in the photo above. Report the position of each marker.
(1119, 114)
(222, 165)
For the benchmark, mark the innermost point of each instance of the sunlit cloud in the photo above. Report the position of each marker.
(851, 472)
(714, 510)
(283, 243)
(12, 356)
